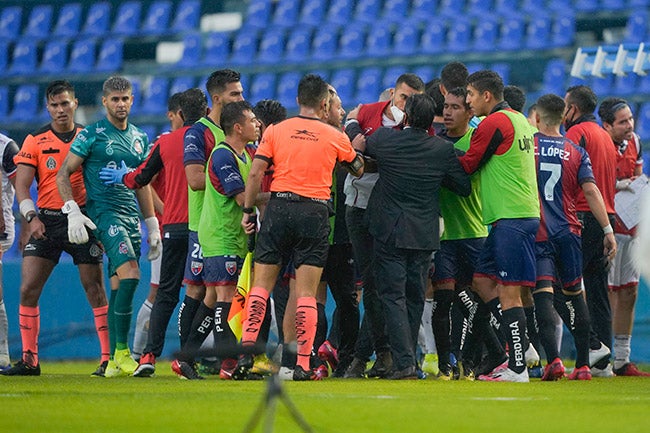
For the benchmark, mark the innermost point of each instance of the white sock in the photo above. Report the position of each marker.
(622, 348)
(4, 335)
(425, 335)
(141, 328)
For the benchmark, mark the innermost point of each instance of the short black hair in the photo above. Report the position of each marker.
(454, 74)
(460, 92)
(608, 108)
(116, 83)
(270, 111)
(312, 89)
(411, 80)
(420, 109)
(487, 80)
(193, 104)
(174, 102)
(582, 97)
(233, 113)
(57, 87)
(432, 88)
(515, 97)
(219, 79)
(550, 109)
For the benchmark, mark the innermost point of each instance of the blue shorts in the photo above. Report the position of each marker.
(222, 270)
(560, 258)
(194, 263)
(455, 261)
(508, 256)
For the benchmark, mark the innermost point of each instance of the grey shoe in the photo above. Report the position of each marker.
(356, 370)
(383, 365)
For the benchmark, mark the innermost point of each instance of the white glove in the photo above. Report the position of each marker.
(77, 223)
(155, 240)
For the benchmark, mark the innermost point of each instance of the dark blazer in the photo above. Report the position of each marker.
(404, 203)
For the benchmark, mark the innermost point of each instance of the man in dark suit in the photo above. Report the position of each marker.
(403, 219)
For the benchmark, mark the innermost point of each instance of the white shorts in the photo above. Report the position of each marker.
(155, 270)
(624, 271)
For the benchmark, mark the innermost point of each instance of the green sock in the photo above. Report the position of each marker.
(124, 311)
(111, 322)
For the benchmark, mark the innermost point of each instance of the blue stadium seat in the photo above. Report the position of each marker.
(423, 9)
(636, 29)
(395, 10)
(602, 86)
(344, 82)
(391, 75)
(150, 130)
(450, 9)
(55, 57)
(216, 48)
(192, 46)
(432, 40)
(538, 32)
(407, 38)
(98, 19)
(156, 20)
(503, 69)
(312, 12)
(68, 21)
(351, 43)
(626, 85)
(127, 18)
(485, 34)
(82, 56)
(479, 8)
(111, 56)
(4, 55)
(563, 30)
(325, 42)
(39, 22)
(511, 34)
(378, 41)
(459, 35)
(263, 86)
(298, 43)
(4, 102)
(180, 84)
(288, 89)
(506, 6)
(24, 58)
(258, 14)
(643, 122)
(644, 84)
(286, 13)
(426, 72)
(554, 76)
(367, 11)
(11, 22)
(25, 104)
(154, 100)
(136, 91)
(614, 5)
(585, 5)
(474, 66)
(271, 47)
(244, 47)
(187, 16)
(368, 85)
(339, 12)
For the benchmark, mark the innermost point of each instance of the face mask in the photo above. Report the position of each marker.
(398, 114)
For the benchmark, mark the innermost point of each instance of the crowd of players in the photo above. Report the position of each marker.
(354, 206)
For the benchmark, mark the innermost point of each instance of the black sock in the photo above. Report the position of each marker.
(441, 324)
(544, 312)
(575, 315)
(485, 332)
(494, 307)
(513, 322)
(321, 327)
(224, 338)
(186, 315)
(532, 326)
(202, 325)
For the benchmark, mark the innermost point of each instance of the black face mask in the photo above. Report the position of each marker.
(569, 123)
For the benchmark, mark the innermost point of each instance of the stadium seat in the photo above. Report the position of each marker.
(111, 56)
(68, 21)
(39, 22)
(98, 19)
(312, 12)
(258, 14)
(643, 122)
(538, 32)
(288, 89)
(286, 13)
(11, 22)
(344, 82)
(554, 76)
(156, 20)
(503, 69)
(25, 104)
(325, 42)
(602, 86)
(181, 84)
(391, 75)
(127, 18)
(450, 9)
(262, 86)
(585, 5)
(4, 56)
(636, 29)
(271, 47)
(136, 91)
(426, 72)
(485, 34)
(407, 38)
(150, 130)
(423, 9)
(298, 43)
(563, 30)
(368, 85)
(55, 57)
(479, 8)
(244, 47)
(367, 11)
(4, 102)
(432, 40)
(351, 43)
(154, 100)
(511, 34)
(378, 41)
(24, 58)
(459, 35)
(187, 16)
(339, 12)
(82, 56)
(216, 48)
(644, 84)
(191, 51)
(395, 10)
(625, 85)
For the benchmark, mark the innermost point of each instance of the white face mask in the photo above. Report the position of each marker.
(398, 114)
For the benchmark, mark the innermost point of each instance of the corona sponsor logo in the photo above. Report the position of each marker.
(113, 230)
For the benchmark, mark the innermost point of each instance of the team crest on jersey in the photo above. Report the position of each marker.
(196, 267)
(123, 248)
(50, 163)
(137, 146)
(95, 250)
(113, 231)
(231, 267)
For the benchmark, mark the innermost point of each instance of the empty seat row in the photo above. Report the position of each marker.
(130, 19)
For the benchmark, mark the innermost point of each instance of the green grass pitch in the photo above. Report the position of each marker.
(66, 399)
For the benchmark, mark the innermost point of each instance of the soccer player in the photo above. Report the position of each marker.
(112, 210)
(623, 276)
(40, 158)
(501, 149)
(296, 218)
(563, 169)
(8, 149)
(582, 129)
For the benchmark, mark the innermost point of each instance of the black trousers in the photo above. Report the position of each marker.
(171, 280)
(401, 276)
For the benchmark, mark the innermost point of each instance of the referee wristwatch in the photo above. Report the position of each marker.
(30, 216)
